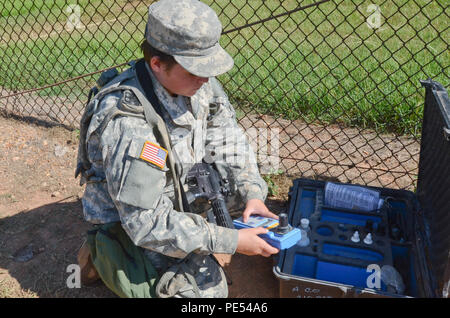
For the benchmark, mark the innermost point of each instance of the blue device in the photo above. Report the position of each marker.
(281, 235)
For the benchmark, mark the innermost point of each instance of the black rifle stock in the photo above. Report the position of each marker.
(205, 182)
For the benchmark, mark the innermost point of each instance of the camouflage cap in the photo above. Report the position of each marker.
(189, 30)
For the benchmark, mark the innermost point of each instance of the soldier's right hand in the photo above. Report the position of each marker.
(249, 243)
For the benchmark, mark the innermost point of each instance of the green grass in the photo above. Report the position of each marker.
(13, 8)
(326, 64)
(51, 56)
(322, 64)
(52, 9)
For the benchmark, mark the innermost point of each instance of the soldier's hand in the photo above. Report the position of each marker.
(256, 206)
(249, 243)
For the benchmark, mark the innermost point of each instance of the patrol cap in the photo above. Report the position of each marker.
(189, 30)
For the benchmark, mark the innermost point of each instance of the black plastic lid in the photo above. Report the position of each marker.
(433, 186)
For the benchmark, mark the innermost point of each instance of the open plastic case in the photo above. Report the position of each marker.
(408, 251)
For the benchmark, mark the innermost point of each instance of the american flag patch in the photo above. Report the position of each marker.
(154, 154)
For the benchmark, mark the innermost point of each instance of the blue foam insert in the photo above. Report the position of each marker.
(335, 268)
(304, 265)
(324, 230)
(351, 252)
(309, 266)
(308, 201)
(329, 215)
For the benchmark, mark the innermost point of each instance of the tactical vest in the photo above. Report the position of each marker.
(138, 100)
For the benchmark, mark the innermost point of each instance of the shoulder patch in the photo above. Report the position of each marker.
(154, 154)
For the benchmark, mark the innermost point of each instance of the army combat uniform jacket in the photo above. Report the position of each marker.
(140, 193)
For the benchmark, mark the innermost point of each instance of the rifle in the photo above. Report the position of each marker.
(205, 182)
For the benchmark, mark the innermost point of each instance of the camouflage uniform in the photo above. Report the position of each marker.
(141, 195)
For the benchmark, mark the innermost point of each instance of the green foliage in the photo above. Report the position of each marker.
(271, 185)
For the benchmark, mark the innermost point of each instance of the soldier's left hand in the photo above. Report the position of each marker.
(256, 206)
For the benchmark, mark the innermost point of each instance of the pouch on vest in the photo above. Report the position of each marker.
(142, 182)
(122, 266)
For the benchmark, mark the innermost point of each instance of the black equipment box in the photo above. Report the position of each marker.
(407, 254)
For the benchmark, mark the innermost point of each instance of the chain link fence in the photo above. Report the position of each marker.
(324, 89)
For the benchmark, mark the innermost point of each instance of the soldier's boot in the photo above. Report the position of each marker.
(88, 273)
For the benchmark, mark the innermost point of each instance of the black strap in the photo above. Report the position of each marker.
(146, 83)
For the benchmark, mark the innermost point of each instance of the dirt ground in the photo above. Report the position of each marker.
(41, 222)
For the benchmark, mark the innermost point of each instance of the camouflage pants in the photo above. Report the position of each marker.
(196, 276)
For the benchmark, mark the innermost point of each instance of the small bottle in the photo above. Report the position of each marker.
(305, 230)
(355, 238)
(352, 197)
(368, 239)
(304, 224)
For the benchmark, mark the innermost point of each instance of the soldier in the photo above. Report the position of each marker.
(142, 133)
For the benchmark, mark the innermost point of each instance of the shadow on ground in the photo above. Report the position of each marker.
(38, 245)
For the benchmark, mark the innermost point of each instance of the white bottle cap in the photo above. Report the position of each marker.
(368, 239)
(355, 237)
(304, 223)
